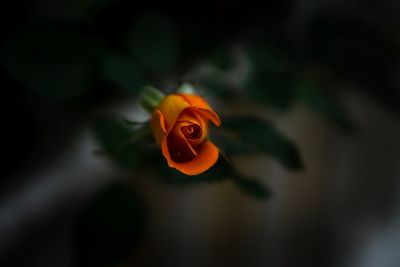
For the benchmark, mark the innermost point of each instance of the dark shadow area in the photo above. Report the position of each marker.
(308, 93)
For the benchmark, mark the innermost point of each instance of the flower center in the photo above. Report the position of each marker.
(192, 131)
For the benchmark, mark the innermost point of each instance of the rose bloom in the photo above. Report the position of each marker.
(180, 127)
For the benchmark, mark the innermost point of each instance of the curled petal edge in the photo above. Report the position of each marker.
(206, 157)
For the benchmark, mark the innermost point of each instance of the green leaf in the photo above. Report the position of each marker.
(216, 85)
(133, 123)
(274, 91)
(252, 187)
(124, 72)
(271, 80)
(218, 172)
(230, 142)
(150, 97)
(222, 58)
(126, 146)
(110, 227)
(52, 58)
(154, 42)
(266, 57)
(325, 105)
(130, 149)
(222, 170)
(256, 135)
(87, 8)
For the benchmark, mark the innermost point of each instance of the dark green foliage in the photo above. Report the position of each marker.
(256, 135)
(266, 57)
(323, 104)
(230, 141)
(270, 90)
(154, 42)
(218, 172)
(125, 145)
(131, 149)
(222, 170)
(52, 58)
(124, 72)
(110, 227)
(222, 58)
(252, 187)
(214, 84)
(271, 80)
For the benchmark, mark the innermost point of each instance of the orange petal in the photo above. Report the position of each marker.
(199, 104)
(180, 150)
(210, 114)
(157, 125)
(195, 101)
(207, 156)
(171, 107)
(189, 115)
(194, 142)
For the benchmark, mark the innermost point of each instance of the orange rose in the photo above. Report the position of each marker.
(180, 127)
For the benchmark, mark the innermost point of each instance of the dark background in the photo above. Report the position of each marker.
(310, 87)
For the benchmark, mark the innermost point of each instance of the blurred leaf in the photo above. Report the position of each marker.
(87, 8)
(325, 105)
(267, 57)
(126, 146)
(129, 150)
(154, 42)
(271, 90)
(230, 142)
(218, 172)
(110, 227)
(222, 58)
(222, 170)
(216, 85)
(150, 97)
(123, 72)
(256, 135)
(133, 123)
(271, 80)
(252, 187)
(51, 58)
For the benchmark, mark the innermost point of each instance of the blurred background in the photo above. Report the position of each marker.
(309, 96)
